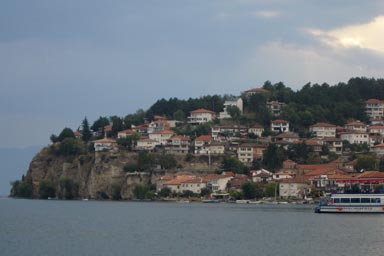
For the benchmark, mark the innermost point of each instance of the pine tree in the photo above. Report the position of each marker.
(86, 134)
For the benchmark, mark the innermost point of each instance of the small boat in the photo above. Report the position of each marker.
(210, 201)
(351, 203)
(242, 201)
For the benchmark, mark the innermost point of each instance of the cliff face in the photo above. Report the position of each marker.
(98, 174)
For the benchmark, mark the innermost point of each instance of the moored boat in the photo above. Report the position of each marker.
(351, 203)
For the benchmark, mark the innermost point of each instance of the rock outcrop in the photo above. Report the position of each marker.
(97, 175)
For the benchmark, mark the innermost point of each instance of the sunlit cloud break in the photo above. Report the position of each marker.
(365, 36)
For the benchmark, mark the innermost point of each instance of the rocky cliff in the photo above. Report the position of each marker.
(97, 175)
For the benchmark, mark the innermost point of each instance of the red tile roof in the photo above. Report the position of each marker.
(204, 138)
(374, 101)
(371, 174)
(202, 110)
(105, 140)
(279, 121)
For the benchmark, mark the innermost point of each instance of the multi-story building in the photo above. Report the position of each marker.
(178, 145)
(201, 116)
(256, 129)
(356, 126)
(248, 152)
(202, 144)
(280, 126)
(323, 130)
(161, 137)
(375, 109)
(275, 107)
(355, 137)
(105, 145)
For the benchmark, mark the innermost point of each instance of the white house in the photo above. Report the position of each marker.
(356, 126)
(201, 116)
(261, 175)
(124, 134)
(184, 183)
(256, 129)
(178, 145)
(323, 130)
(218, 182)
(355, 137)
(105, 145)
(146, 144)
(376, 129)
(375, 109)
(236, 103)
(248, 152)
(202, 144)
(216, 148)
(294, 188)
(161, 136)
(280, 126)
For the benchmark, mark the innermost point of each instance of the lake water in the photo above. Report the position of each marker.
(37, 227)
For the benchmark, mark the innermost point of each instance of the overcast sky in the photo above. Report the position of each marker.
(63, 60)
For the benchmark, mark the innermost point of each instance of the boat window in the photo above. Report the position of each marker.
(375, 200)
(355, 200)
(336, 200)
(345, 200)
(365, 200)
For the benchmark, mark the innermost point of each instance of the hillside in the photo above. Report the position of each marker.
(261, 128)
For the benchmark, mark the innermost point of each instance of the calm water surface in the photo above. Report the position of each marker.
(36, 227)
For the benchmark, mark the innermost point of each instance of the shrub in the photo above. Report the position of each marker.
(46, 189)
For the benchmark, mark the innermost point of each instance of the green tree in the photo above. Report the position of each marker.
(86, 132)
(251, 190)
(117, 125)
(167, 161)
(366, 162)
(23, 188)
(179, 115)
(46, 189)
(131, 167)
(66, 133)
(140, 191)
(165, 192)
(205, 191)
(71, 146)
(273, 157)
(234, 112)
(146, 161)
(271, 189)
(232, 163)
(100, 123)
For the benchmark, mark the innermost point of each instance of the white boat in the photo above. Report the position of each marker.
(351, 203)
